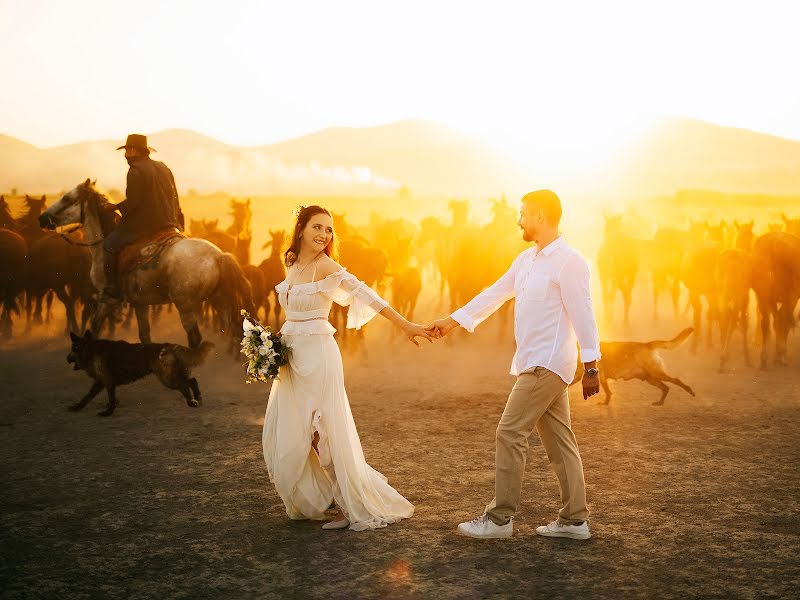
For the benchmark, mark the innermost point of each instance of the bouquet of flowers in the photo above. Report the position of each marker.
(265, 351)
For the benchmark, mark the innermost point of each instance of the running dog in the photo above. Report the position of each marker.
(637, 360)
(112, 363)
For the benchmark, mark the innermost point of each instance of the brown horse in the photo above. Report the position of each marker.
(13, 259)
(363, 260)
(367, 263)
(792, 225)
(744, 236)
(240, 230)
(6, 220)
(432, 252)
(698, 274)
(274, 272)
(733, 280)
(55, 265)
(188, 273)
(776, 282)
(617, 265)
(406, 286)
(208, 229)
(663, 257)
(259, 288)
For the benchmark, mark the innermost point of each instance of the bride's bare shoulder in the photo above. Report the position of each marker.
(327, 266)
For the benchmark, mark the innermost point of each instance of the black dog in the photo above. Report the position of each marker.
(111, 363)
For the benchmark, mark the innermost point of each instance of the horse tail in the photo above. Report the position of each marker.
(233, 291)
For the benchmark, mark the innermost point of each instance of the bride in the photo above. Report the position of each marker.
(310, 442)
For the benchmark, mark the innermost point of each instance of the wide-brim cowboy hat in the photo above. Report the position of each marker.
(137, 140)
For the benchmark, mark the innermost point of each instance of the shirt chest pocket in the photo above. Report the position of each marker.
(536, 287)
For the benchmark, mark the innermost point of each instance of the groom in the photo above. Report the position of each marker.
(553, 306)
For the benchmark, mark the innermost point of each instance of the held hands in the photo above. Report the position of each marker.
(439, 329)
(413, 331)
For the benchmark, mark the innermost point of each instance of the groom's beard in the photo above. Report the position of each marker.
(529, 236)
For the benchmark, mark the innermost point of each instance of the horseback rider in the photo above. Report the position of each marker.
(151, 204)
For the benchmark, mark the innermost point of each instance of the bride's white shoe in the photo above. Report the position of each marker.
(340, 524)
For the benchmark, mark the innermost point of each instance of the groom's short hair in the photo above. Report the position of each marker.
(547, 202)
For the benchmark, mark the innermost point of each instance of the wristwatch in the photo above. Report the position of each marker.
(592, 371)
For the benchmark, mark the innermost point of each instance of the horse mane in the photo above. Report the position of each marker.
(106, 210)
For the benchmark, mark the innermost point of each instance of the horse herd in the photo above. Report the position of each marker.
(717, 267)
(38, 264)
(720, 266)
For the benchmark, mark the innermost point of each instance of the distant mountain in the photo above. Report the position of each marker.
(427, 158)
(679, 153)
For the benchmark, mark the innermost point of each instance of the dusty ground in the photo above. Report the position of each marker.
(698, 498)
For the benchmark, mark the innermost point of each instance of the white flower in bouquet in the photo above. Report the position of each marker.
(265, 351)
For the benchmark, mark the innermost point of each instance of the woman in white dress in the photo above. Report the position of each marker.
(310, 442)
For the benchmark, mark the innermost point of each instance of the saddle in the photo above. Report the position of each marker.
(144, 253)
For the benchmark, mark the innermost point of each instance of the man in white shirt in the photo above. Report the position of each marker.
(553, 309)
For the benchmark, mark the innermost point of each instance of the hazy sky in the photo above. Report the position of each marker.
(526, 74)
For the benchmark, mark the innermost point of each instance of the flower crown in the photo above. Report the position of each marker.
(298, 209)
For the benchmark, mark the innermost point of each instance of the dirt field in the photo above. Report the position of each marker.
(697, 498)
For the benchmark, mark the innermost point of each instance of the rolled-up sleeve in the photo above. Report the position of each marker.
(488, 301)
(576, 296)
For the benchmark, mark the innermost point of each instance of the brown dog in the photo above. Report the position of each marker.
(111, 363)
(637, 360)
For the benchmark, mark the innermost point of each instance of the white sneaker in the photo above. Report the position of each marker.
(483, 527)
(556, 529)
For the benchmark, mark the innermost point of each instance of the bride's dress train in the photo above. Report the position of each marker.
(310, 396)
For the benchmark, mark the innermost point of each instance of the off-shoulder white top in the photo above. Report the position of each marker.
(307, 305)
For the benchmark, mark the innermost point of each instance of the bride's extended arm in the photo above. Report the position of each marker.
(365, 303)
(411, 330)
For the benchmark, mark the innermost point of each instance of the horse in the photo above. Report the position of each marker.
(432, 252)
(274, 272)
(744, 236)
(188, 273)
(733, 279)
(366, 262)
(55, 265)
(776, 282)
(663, 257)
(406, 286)
(6, 220)
(698, 275)
(617, 265)
(13, 259)
(792, 225)
(240, 230)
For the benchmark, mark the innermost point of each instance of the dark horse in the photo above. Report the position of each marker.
(188, 273)
(776, 282)
(13, 258)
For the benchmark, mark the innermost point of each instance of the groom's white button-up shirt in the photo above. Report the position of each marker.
(553, 309)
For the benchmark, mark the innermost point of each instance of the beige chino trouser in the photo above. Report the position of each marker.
(539, 399)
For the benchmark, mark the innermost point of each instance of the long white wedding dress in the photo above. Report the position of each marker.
(310, 396)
